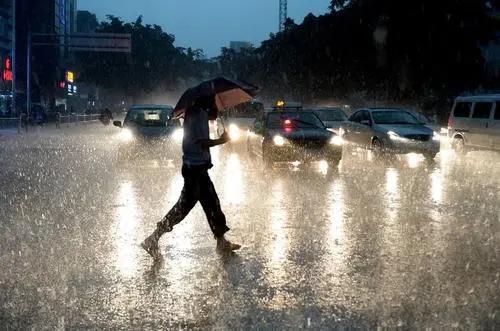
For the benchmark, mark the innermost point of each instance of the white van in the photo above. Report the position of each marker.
(474, 123)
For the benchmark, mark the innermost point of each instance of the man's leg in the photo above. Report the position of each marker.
(216, 218)
(188, 199)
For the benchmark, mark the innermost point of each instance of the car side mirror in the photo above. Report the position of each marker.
(173, 122)
(117, 124)
(366, 122)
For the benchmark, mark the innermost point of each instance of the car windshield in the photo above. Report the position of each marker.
(294, 119)
(422, 118)
(149, 116)
(331, 115)
(393, 117)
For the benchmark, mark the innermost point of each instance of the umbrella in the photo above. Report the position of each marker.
(226, 92)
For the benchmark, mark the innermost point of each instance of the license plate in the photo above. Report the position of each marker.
(152, 117)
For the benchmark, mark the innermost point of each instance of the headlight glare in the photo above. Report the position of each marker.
(234, 132)
(393, 135)
(279, 140)
(178, 134)
(126, 135)
(337, 141)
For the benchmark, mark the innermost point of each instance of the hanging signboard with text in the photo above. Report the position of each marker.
(87, 42)
(100, 42)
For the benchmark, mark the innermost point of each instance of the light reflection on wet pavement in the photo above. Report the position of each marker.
(399, 244)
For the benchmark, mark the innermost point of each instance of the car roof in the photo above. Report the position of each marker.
(278, 111)
(327, 108)
(484, 97)
(383, 108)
(152, 106)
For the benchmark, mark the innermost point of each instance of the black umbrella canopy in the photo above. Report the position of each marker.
(226, 92)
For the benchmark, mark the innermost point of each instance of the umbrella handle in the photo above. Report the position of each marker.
(223, 124)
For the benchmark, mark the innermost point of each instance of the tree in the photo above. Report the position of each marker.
(388, 48)
(154, 63)
(338, 4)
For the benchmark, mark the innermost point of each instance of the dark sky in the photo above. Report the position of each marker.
(208, 24)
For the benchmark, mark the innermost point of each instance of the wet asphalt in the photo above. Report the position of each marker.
(402, 244)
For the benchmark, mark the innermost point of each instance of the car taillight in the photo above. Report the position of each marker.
(287, 125)
(450, 122)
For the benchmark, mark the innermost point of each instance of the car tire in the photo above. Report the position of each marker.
(347, 150)
(459, 146)
(334, 163)
(267, 159)
(268, 162)
(430, 156)
(378, 149)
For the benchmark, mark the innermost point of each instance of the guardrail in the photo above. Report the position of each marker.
(77, 118)
(14, 123)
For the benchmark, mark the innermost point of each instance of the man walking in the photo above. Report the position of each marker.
(197, 161)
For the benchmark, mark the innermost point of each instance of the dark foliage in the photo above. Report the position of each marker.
(386, 49)
(154, 63)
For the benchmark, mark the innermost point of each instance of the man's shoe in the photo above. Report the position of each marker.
(226, 245)
(150, 245)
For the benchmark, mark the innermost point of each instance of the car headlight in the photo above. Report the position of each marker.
(279, 140)
(393, 135)
(337, 141)
(126, 135)
(436, 137)
(234, 132)
(178, 135)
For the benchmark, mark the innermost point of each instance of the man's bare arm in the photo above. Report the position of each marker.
(209, 143)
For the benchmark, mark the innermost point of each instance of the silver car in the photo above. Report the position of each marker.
(388, 130)
(331, 117)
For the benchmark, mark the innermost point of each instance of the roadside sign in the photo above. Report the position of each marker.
(87, 42)
(70, 76)
(100, 42)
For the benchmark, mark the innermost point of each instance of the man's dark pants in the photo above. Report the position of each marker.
(197, 187)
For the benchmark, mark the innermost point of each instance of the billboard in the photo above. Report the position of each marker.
(100, 42)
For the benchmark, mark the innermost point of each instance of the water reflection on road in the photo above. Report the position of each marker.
(404, 243)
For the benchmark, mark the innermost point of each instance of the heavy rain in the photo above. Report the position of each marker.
(354, 160)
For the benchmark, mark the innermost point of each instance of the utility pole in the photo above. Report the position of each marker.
(283, 14)
(28, 77)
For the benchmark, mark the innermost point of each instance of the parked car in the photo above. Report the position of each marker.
(331, 117)
(474, 123)
(390, 131)
(148, 126)
(288, 136)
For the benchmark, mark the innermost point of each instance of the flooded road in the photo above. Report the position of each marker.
(403, 244)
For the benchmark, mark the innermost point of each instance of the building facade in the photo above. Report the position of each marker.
(6, 74)
(48, 63)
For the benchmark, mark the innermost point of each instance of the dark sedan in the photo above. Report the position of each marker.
(288, 136)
